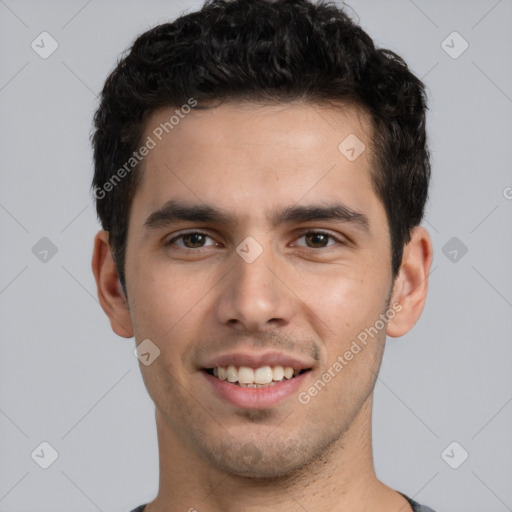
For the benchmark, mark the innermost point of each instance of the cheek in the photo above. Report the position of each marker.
(168, 307)
(345, 300)
(172, 303)
(343, 312)
(163, 298)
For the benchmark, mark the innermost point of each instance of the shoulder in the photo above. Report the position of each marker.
(416, 507)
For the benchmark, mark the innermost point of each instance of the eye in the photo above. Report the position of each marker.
(191, 240)
(197, 240)
(318, 239)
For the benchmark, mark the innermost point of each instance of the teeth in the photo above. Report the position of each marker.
(263, 375)
(221, 372)
(245, 375)
(278, 373)
(231, 374)
(254, 377)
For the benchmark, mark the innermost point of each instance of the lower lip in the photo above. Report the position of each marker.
(255, 398)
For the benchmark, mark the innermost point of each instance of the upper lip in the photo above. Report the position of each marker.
(256, 360)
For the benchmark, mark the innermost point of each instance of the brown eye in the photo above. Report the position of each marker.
(192, 240)
(317, 239)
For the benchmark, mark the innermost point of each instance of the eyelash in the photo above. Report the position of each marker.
(302, 234)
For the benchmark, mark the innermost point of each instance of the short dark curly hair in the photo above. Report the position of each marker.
(264, 51)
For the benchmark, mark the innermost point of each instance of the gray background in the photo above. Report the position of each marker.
(67, 379)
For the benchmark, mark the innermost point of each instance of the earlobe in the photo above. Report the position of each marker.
(110, 291)
(411, 285)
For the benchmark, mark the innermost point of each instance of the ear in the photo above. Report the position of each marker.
(110, 291)
(411, 284)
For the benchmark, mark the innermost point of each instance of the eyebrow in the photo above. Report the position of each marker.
(175, 211)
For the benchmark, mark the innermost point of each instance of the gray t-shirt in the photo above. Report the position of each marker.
(415, 506)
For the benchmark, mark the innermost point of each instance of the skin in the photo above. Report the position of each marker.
(305, 296)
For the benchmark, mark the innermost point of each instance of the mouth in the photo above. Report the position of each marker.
(255, 387)
(251, 380)
(260, 377)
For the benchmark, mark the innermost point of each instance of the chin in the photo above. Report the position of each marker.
(264, 471)
(261, 461)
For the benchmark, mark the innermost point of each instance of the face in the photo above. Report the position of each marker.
(273, 251)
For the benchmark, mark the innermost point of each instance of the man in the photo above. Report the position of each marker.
(261, 171)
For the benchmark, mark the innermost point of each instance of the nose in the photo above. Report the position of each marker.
(255, 296)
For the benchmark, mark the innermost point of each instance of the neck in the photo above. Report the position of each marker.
(343, 479)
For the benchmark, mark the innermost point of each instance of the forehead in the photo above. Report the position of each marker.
(250, 157)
